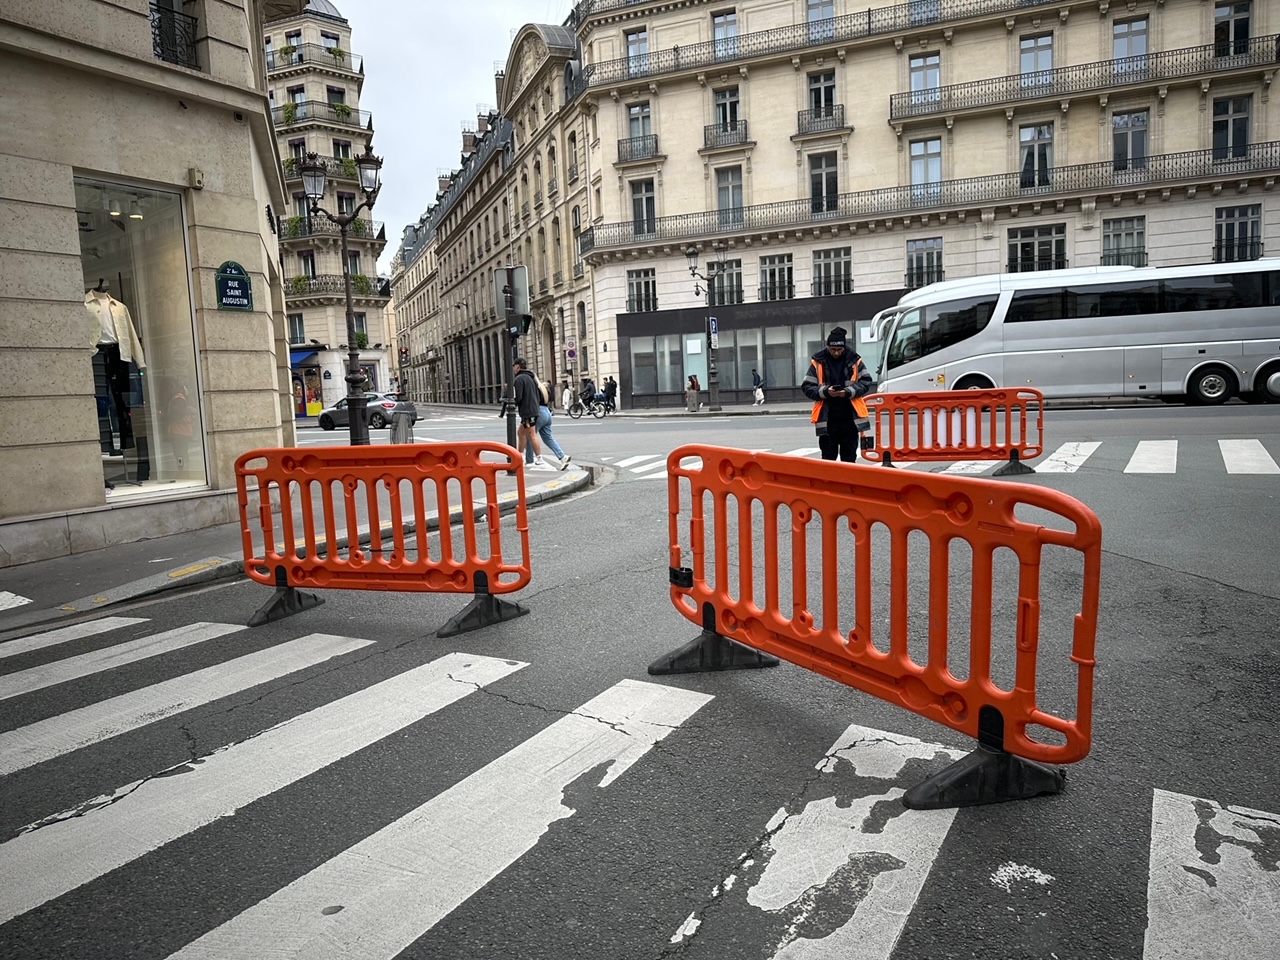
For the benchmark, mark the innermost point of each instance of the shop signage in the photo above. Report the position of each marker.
(235, 290)
(328, 374)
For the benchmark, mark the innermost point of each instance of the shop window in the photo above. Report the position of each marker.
(137, 312)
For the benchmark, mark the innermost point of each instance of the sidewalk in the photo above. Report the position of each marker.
(65, 587)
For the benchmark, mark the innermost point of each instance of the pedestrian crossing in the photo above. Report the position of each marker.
(1233, 457)
(837, 871)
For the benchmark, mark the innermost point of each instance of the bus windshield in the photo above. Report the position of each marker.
(926, 330)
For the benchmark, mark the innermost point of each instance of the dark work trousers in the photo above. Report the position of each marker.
(111, 386)
(839, 442)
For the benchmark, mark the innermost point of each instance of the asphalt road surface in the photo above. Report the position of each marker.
(345, 784)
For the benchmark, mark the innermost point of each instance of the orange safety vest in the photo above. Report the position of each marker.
(859, 405)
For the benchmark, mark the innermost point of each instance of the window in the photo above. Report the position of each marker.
(833, 272)
(346, 203)
(1231, 29)
(360, 324)
(922, 332)
(584, 355)
(1124, 242)
(642, 291)
(572, 149)
(1129, 140)
(639, 120)
(724, 30)
(1036, 161)
(726, 284)
(822, 94)
(729, 196)
(820, 14)
(926, 78)
(657, 364)
(1237, 233)
(775, 278)
(926, 170)
(298, 149)
(1035, 60)
(297, 329)
(353, 262)
(824, 185)
(924, 262)
(726, 102)
(335, 95)
(329, 40)
(306, 263)
(1231, 127)
(297, 94)
(301, 206)
(1129, 47)
(643, 207)
(1038, 248)
(638, 52)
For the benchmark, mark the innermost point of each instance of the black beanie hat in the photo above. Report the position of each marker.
(836, 337)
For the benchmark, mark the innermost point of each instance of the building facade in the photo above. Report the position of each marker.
(314, 81)
(144, 286)
(830, 157)
(415, 292)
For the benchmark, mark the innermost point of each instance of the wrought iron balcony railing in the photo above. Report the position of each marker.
(573, 172)
(922, 277)
(558, 278)
(642, 304)
(638, 148)
(851, 26)
(820, 119)
(313, 110)
(537, 198)
(542, 286)
(524, 211)
(723, 294)
(1028, 264)
(1085, 77)
(321, 226)
(724, 134)
(831, 286)
(777, 291)
(553, 187)
(342, 167)
(1230, 251)
(1125, 257)
(947, 194)
(361, 285)
(173, 36)
(578, 269)
(314, 53)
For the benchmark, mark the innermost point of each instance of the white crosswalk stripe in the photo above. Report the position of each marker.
(969, 467)
(9, 600)
(632, 461)
(1068, 458)
(1154, 456)
(1247, 456)
(76, 631)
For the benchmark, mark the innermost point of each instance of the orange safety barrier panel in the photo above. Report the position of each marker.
(739, 602)
(327, 500)
(959, 425)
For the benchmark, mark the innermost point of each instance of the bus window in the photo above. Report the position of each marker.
(906, 341)
(948, 323)
(1032, 305)
(1129, 299)
(1221, 292)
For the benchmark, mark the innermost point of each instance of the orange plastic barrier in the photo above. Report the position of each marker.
(326, 500)
(959, 425)
(781, 501)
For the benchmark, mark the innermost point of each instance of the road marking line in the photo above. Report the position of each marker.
(645, 467)
(1246, 456)
(1212, 890)
(108, 658)
(74, 847)
(1154, 456)
(194, 568)
(1068, 458)
(62, 635)
(631, 461)
(46, 739)
(400, 882)
(10, 600)
(967, 466)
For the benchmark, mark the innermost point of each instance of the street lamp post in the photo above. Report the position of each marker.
(714, 267)
(313, 176)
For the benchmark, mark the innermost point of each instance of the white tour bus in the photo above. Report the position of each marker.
(1206, 332)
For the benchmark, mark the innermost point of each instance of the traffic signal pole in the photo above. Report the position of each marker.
(512, 331)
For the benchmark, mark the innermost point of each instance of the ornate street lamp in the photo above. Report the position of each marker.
(714, 268)
(313, 171)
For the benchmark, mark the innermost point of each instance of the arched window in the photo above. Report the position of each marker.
(571, 157)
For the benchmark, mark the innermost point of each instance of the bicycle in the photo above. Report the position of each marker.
(595, 407)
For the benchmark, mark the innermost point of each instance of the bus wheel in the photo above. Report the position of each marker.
(1267, 385)
(972, 382)
(1211, 386)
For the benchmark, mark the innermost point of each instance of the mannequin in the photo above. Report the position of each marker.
(116, 343)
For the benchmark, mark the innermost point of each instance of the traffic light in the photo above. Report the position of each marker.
(404, 354)
(526, 322)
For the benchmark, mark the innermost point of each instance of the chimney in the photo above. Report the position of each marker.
(443, 184)
(498, 77)
(482, 124)
(468, 142)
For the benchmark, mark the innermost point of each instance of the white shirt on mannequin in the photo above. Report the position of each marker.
(111, 323)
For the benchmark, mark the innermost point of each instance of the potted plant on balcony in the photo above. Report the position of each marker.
(290, 166)
(342, 111)
(299, 284)
(294, 226)
(290, 112)
(287, 52)
(339, 55)
(362, 284)
(349, 167)
(362, 341)
(359, 228)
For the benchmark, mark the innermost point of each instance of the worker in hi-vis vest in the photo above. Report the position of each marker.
(836, 383)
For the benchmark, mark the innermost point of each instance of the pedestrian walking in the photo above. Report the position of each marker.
(528, 395)
(566, 396)
(544, 431)
(610, 394)
(757, 386)
(836, 382)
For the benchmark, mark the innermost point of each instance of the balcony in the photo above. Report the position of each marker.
(831, 286)
(820, 120)
(1232, 251)
(324, 284)
(724, 134)
(776, 290)
(543, 288)
(343, 168)
(1084, 78)
(537, 198)
(1029, 264)
(782, 40)
(645, 303)
(573, 172)
(577, 270)
(558, 279)
(288, 228)
(1156, 171)
(524, 212)
(173, 37)
(338, 114)
(724, 294)
(638, 148)
(553, 187)
(304, 54)
(1125, 257)
(922, 277)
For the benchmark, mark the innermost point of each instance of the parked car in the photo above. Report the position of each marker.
(381, 408)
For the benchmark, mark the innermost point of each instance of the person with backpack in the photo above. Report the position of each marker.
(757, 387)
(544, 431)
(836, 382)
(528, 396)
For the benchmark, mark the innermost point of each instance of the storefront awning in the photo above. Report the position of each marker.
(300, 358)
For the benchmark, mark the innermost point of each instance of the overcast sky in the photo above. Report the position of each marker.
(427, 65)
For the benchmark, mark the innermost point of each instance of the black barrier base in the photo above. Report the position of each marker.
(1013, 467)
(710, 651)
(285, 602)
(484, 610)
(988, 775)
